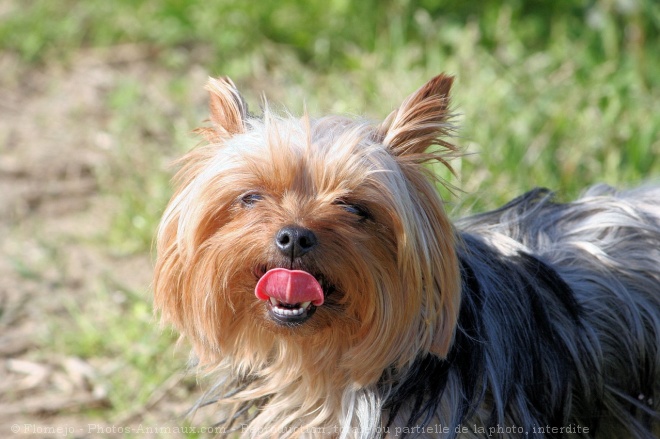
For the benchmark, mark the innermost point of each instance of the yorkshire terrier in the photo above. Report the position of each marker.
(312, 266)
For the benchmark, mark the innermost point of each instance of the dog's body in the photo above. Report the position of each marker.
(312, 265)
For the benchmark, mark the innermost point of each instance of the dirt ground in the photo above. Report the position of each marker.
(53, 142)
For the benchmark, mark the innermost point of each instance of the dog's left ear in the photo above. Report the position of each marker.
(420, 120)
(228, 110)
(408, 132)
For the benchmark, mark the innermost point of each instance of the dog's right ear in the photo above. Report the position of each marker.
(228, 110)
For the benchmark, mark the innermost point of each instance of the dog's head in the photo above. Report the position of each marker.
(312, 235)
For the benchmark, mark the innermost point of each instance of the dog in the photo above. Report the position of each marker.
(312, 266)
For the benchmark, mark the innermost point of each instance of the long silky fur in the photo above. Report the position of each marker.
(559, 324)
(538, 314)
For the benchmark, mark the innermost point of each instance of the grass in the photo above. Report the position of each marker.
(555, 94)
(116, 329)
(149, 138)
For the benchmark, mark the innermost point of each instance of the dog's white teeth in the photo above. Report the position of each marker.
(284, 311)
(288, 312)
(305, 305)
(274, 301)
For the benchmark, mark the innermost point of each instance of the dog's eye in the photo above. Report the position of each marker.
(250, 199)
(354, 209)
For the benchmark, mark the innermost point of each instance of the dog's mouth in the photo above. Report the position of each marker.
(291, 296)
(288, 314)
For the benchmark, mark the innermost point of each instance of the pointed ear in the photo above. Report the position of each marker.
(420, 120)
(228, 110)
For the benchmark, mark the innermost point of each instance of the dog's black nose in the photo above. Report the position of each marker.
(295, 241)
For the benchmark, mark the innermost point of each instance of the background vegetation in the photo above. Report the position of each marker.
(560, 94)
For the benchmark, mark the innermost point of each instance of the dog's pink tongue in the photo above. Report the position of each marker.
(289, 286)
